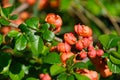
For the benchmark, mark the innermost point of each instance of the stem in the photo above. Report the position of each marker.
(81, 11)
(113, 21)
(20, 8)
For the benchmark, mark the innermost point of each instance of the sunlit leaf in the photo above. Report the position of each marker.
(56, 69)
(32, 22)
(48, 35)
(21, 43)
(52, 58)
(114, 68)
(4, 22)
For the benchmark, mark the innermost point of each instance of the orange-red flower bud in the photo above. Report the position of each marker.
(44, 77)
(92, 53)
(99, 52)
(54, 19)
(83, 54)
(79, 45)
(64, 47)
(70, 38)
(83, 30)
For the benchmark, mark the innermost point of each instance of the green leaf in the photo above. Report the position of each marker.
(45, 50)
(114, 41)
(80, 65)
(24, 28)
(32, 22)
(56, 69)
(70, 77)
(31, 78)
(114, 68)
(114, 60)
(80, 77)
(62, 76)
(70, 61)
(115, 54)
(13, 33)
(16, 72)
(48, 35)
(109, 41)
(21, 43)
(1, 39)
(36, 46)
(4, 22)
(44, 27)
(52, 58)
(7, 11)
(13, 17)
(5, 60)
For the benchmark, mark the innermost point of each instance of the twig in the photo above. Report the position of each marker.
(80, 15)
(20, 8)
(96, 20)
(113, 21)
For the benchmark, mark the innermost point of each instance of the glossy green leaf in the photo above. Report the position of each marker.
(44, 27)
(56, 69)
(80, 65)
(24, 28)
(48, 35)
(13, 33)
(62, 76)
(70, 77)
(45, 50)
(114, 41)
(7, 11)
(4, 22)
(115, 54)
(21, 43)
(114, 60)
(36, 46)
(109, 41)
(32, 78)
(5, 60)
(13, 17)
(16, 72)
(52, 58)
(113, 67)
(1, 39)
(80, 77)
(32, 22)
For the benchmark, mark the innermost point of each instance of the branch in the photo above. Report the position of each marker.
(20, 8)
(96, 20)
(113, 21)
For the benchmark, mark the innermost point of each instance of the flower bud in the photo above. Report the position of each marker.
(92, 53)
(44, 77)
(63, 47)
(83, 54)
(70, 38)
(83, 30)
(99, 52)
(65, 56)
(90, 47)
(54, 19)
(86, 42)
(79, 45)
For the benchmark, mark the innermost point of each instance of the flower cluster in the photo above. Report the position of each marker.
(78, 43)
